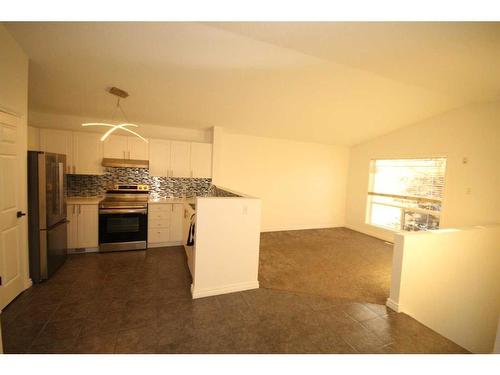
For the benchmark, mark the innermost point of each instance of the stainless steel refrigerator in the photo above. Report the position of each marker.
(46, 214)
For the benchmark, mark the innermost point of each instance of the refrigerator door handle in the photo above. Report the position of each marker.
(60, 190)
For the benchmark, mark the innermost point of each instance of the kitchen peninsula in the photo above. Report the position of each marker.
(225, 255)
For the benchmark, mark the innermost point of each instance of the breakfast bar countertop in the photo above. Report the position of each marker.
(170, 200)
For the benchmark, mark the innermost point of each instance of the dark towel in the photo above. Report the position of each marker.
(190, 239)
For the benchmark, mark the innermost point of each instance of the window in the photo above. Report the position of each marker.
(406, 194)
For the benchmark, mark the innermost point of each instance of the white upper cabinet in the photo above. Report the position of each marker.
(125, 147)
(87, 153)
(180, 163)
(159, 157)
(84, 152)
(115, 147)
(201, 160)
(137, 148)
(58, 142)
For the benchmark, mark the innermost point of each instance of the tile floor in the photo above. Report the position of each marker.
(139, 302)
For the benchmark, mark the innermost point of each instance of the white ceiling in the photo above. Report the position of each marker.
(330, 82)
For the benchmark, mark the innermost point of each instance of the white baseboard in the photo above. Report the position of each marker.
(164, 244)
(301, 227)
(392, 305)
(239, 287)
(84, 250)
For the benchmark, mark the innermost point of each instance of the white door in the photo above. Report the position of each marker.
(177, 222)
(159, 157)
(13, 185)
(201, 160)
(180, 163)
(87, 153)
(58, 142)
(137, 149)
(115, 147)
(88, 225)
(72, 215)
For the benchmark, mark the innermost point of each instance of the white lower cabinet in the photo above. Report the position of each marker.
(165, 224)
(83, 227)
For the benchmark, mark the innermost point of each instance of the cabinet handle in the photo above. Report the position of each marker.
(74, 209)
(74, 169)
(191, 173)
(79, 209)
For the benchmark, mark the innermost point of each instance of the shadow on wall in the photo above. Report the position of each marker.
(449, 280)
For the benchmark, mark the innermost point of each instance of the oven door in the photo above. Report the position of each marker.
(122, 229)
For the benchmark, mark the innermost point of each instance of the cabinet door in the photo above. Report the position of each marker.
(58, 142)
(87, 153)
(177, 222)
(72, 214)
(180, 162)
(115, 147)
(88, 224)
(201, 160)
(137, 149)
(159, 157)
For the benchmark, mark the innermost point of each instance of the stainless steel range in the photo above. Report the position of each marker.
(123, 218)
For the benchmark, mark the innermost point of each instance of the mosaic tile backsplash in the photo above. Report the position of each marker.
(160, 187)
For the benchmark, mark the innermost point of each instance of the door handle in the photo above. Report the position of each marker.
(20, 214)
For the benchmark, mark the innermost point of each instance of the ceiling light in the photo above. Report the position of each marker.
(123, 126)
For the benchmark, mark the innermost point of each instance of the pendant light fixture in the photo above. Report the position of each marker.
(120, 94)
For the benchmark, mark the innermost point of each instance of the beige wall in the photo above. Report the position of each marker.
(66, 122)
(471, 190)
(33, 138)
(13, 76)
(14, 99)
(449, 281)
(302, 185)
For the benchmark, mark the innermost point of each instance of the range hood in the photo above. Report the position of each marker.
(125, 163)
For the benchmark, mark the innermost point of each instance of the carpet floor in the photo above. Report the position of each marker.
(335, 262)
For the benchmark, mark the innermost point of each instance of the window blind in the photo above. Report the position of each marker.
(409, 178)
(406, 194)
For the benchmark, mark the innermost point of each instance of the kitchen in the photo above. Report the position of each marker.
(130, 193)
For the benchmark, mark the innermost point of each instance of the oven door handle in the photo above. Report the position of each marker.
(123, 211)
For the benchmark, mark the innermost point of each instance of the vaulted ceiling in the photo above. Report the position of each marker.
(330, 82)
